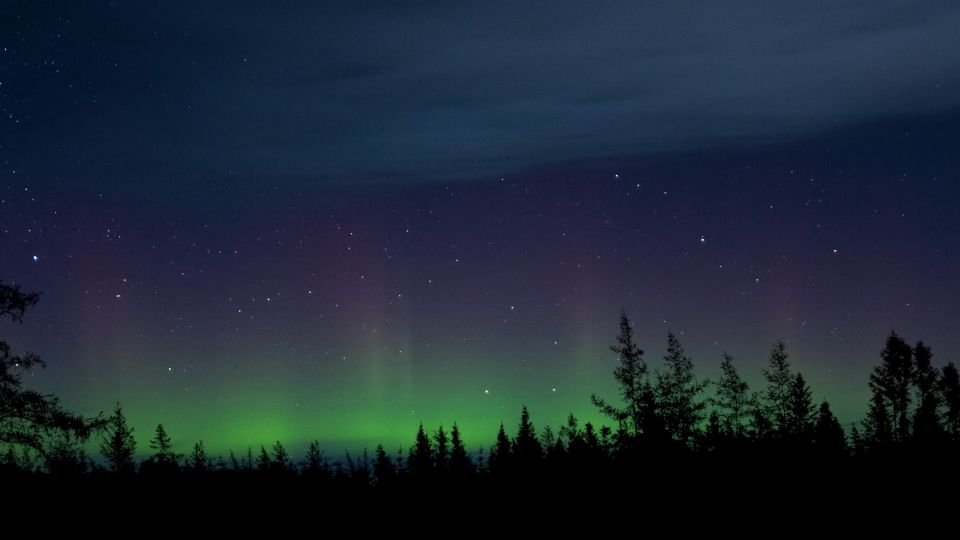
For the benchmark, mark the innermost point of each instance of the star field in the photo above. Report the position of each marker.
(307, 223)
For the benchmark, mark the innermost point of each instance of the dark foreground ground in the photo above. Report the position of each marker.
(771, 498)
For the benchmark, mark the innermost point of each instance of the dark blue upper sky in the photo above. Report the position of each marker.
(114, 93)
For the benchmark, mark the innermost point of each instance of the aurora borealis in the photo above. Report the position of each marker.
(297, 222)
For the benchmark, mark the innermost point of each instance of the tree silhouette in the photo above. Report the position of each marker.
(526, 447)
(280, 462)
(950, 391)
(28, 417)
(315, 465)
(877, 426)
(264, 463)
(553, 449)
(162, 447)
(732, 401)
(858, 445)
(828, 436)
(384, 471)
(677, 394)
(776, 397)
(635, 388)
(800, 412)
(197, 461)
(420, 460)
(163, 461)
(713, 437)
(926, 418)
(761, 419)
(442, 450)
(499, 461)
(65, 456)
(359, 469)
(893, 380)
(571, 432)
(118, 444)
(460, 462)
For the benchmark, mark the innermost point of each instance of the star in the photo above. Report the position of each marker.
(35, 258)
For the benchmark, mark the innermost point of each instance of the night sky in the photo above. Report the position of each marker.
(283, 220)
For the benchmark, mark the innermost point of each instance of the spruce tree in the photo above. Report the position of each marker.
(117, 444)
(526, 447)
(460, 463)
(893, 380)
(635, 389)
(926, 418)
(950, 394)
(384, 471)
(776, 397)
(677, 392)
(800, 412)
(198, 462)
(499, 462)
(733, 400)
(828, 436)
(420, 460)
(163, 448)
(441, 450)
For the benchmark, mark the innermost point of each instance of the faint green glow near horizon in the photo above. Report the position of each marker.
(381, 399)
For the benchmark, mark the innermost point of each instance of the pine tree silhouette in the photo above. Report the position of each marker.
(500, 461)
(800, 413)
(877, 426)
(118, 444)
(950, 392)
(460, 463)
(677, 392)
(420, 460)
(65, 456)
(893, 380)
(384, 471)
(162, 447)
(315, 465)
(527, 451)
(441, 451)
(828, 436)
(264, 463)
(198, 461)
(635, 389)
(927, 429)
(280, 460)
(776, 397)
(733, 402)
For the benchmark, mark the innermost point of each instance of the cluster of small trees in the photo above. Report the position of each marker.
(662, 413)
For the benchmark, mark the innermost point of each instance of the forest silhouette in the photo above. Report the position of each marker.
(667, 428)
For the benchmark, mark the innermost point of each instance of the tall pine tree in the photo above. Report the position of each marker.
(926, 417)
(776, 397)
(893, 380)
(117, 444)
(733, 400)
(635, 387)
(677, 391)
(950, 393)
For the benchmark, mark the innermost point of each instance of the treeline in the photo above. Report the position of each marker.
(664, 419)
